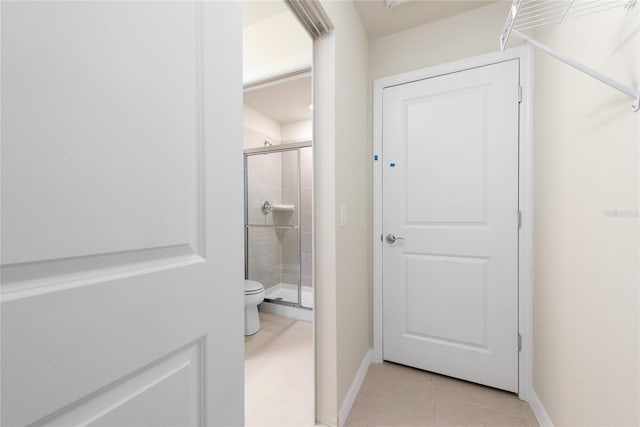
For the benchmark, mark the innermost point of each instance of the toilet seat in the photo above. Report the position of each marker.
(251, 287)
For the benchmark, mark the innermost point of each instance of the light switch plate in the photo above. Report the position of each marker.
(342, 215)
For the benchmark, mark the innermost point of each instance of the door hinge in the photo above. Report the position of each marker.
(519, 342)
(519, 94)
(519, 219)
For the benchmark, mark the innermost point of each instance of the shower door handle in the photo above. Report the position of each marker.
(391, 239)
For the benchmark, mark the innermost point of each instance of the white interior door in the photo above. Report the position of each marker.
(450, 191)
(122, 300)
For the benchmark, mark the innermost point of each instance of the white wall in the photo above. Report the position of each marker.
(586, 320)
(325, 229)
(586, 304)
(461, 36)
(261, 127)
(343, 254)
(275, 46)
(297, 131)
(353, 190)
(258, 127)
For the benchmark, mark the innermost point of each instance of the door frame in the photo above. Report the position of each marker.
(525, 197)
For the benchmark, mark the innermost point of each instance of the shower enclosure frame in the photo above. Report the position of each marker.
(270, 149)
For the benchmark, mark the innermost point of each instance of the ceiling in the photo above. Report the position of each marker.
(289, 101)
(380, 20)
(255, 11)
(284, 102)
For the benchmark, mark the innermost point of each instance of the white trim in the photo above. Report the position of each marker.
(525, 300)
(350, 398)
(277, 80)
(538, 409)
(526, 205)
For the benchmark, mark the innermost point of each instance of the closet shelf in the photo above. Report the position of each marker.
(527, 14)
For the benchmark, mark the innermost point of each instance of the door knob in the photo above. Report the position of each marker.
(392, 239)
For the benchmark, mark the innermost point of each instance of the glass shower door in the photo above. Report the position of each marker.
(305, 166)
(272, 218)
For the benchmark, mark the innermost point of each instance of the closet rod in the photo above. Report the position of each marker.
(579, 66)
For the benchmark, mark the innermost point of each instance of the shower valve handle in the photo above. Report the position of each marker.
(266, 207)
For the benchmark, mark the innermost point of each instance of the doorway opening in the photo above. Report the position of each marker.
(278, 214)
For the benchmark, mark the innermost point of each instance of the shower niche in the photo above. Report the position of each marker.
(278, 226)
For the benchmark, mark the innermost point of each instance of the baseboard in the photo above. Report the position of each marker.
(350, 398)
(538, 409)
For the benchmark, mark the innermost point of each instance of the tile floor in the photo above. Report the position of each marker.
(395, 395)
(279, 388)
(279, 373)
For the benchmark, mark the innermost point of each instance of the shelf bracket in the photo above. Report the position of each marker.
(581, 67)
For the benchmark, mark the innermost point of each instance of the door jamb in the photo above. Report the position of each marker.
(525, 198)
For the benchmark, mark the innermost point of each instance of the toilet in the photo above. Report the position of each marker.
(253, 295)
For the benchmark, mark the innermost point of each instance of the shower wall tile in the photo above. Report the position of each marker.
(290, 278)
(305, 242)
(289, 177)
(305, 266)
(306, 157)
(275, 255)
(290, 248)
(290, 258)
(290, 169)
(306, 215)
(305, 200)
(264, 183)
(265, 256)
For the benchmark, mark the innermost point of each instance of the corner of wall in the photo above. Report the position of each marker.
(352, 393)
(342, 176)
(539, 411)
(324, 230)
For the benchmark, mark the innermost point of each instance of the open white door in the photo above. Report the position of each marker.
(450, 209)
(122, 300)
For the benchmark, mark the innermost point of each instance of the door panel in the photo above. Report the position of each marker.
(445, 181)
(118, 128)
(434, 287)
(174, 380)
(450, 191)
(91, 112)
